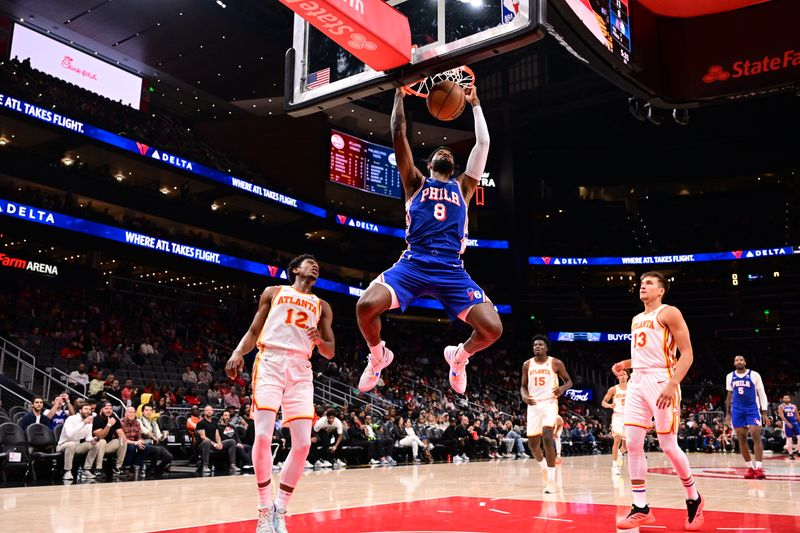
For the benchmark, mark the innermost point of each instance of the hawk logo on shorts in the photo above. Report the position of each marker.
(473, 294)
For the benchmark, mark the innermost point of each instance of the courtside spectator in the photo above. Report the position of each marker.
(330, 432)
(76, 439)
(107, 429)
(36, 415)
(135, 454)
(159, 456)
(60, 410)
(383, 446)
(191, 422)
(228, 429)
(209, 437)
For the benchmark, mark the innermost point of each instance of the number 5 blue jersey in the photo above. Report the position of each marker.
(436, 218)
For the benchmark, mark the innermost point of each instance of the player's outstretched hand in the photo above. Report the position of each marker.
(314, 336)
(618, 368)
(667, 395)
(234, 365)
(471, 95)
(399, 92)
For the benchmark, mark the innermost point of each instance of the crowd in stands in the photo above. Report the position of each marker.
(126, 355)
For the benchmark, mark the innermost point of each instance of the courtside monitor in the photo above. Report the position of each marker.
(683, 53)
(444, 34)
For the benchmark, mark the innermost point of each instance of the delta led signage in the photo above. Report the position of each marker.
(112, 233)
(50, 117)
(662, 259)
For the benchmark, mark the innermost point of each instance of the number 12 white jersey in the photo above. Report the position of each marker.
(291, 314)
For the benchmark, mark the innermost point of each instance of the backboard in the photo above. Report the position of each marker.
(444, 34)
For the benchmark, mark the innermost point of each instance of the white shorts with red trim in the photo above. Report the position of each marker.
(618, 425)
(541, 415)
(285, 382)
(644, 388)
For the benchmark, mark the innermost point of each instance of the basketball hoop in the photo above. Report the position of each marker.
(462, 75)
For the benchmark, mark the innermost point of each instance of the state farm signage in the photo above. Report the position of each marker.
(371, 30)
(73, 66)
(753, 67)
(32, 266)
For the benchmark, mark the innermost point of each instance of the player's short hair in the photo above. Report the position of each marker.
(543, 338)
(296, 262)
(662, 280)
(443, 147)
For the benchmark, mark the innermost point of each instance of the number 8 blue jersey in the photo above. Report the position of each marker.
(436, 217)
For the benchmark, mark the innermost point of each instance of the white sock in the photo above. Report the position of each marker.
(462, 355)
(282, 499)
(376, 351)
(758, 464)
(551, 474)
(750, 464)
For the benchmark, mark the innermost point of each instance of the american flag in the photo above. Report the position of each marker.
(318, 78)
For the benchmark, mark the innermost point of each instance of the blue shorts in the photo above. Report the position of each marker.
(438, 275)
(741, 418)
(792, 429)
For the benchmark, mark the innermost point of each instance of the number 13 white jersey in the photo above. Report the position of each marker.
(292, 313)
(652, 345)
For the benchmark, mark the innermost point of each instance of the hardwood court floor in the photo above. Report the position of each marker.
(492, 497)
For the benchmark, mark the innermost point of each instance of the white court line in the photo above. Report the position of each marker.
(440, 511)
(499, 511)
(549, 518)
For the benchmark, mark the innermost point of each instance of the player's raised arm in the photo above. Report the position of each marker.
(561, 370)
(606, 402)
(236, 361)
(322, 335)
(476, 163)
(410, 175)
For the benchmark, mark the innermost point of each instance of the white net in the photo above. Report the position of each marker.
(461, 75)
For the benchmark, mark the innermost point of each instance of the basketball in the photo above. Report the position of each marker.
(446, 100)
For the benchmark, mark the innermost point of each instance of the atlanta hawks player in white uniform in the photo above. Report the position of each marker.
(654, 392)
(615, 399)
(289, 323)
(540, 390)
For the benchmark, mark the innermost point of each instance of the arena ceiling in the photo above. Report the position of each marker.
(219, 51)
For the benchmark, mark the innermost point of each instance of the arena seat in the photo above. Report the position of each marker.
(42, 446)
(14, 443)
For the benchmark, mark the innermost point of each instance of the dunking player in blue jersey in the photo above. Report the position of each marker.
(746, 406)
(791, 427)
(436, 232)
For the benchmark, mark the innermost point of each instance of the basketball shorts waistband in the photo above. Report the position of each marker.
(272, 352)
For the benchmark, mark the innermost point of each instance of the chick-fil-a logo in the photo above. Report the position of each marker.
(67, 64)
